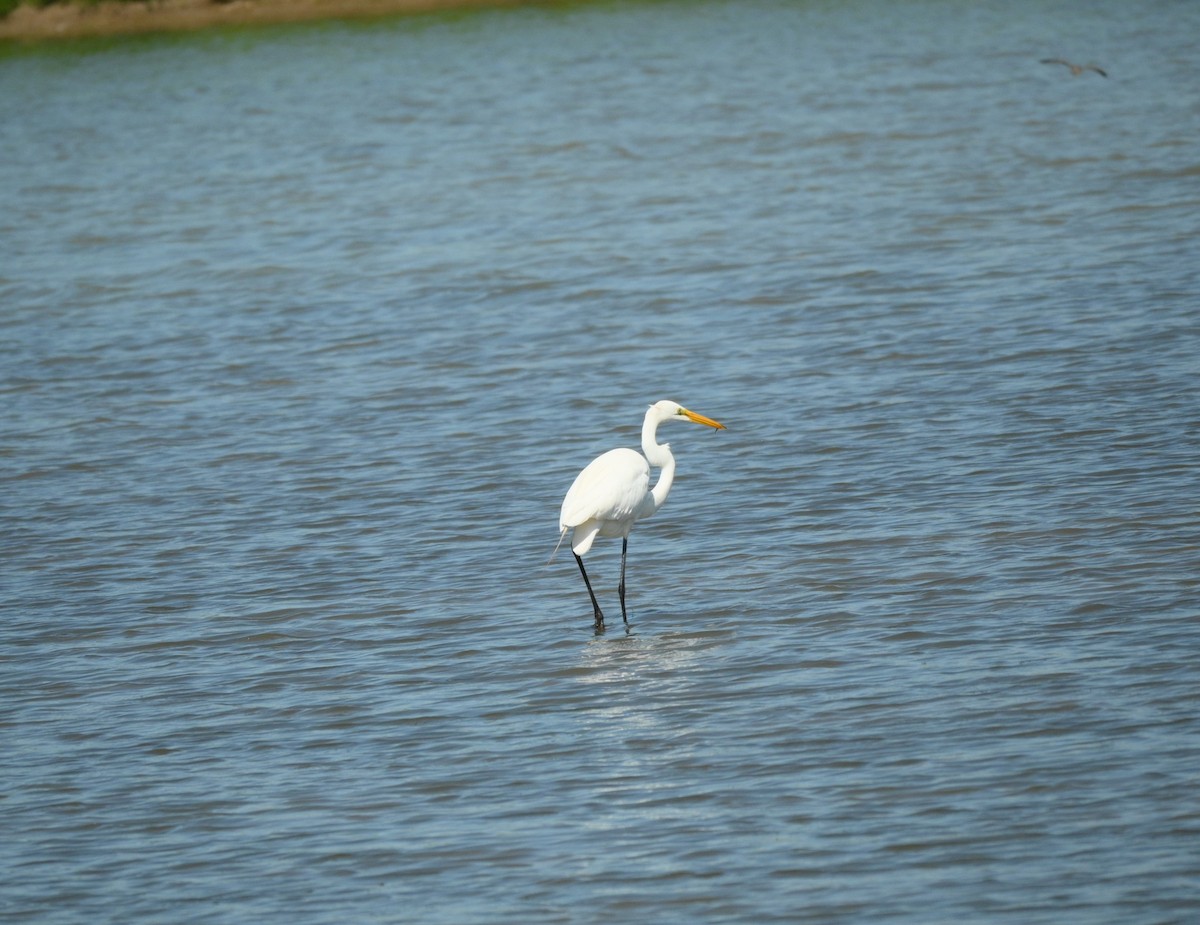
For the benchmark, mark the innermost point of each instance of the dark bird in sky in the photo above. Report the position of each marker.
(1076, 69)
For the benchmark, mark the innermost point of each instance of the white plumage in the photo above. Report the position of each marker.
(607, 498)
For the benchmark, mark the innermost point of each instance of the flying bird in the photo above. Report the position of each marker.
(613, 492)
(1076, 69)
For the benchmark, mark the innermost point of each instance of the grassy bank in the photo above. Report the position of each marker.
(44, 20)
(7, 6)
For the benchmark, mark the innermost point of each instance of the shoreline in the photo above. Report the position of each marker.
(71, 20)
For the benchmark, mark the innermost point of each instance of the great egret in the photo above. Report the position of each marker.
(1076, 69)
(613, 492)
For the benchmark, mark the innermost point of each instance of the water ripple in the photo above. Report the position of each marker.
(290, 413)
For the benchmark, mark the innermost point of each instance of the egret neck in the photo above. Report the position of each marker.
(658, 455)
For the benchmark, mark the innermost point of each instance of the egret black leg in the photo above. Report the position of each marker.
(621, 586)
(591, 593)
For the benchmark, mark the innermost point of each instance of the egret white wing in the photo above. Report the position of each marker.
(612, 487)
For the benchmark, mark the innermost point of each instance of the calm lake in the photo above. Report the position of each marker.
(306, 332)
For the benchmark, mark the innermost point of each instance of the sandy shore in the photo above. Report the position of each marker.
(71, 20)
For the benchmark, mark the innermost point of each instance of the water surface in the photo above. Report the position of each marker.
(308, 330)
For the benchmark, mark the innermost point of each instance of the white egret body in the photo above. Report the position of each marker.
(613, 492)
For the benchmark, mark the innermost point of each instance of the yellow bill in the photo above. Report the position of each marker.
(701, 419)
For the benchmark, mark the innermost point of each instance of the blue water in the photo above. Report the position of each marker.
(308, 330)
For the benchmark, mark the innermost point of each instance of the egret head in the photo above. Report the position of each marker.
(673, 411)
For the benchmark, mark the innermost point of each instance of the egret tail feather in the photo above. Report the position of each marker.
(562, 536)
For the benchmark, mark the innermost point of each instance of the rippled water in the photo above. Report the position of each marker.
(307, 331)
